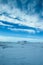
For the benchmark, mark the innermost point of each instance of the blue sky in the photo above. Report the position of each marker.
(21, 19)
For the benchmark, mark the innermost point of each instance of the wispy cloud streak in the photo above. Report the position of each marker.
(22, 15)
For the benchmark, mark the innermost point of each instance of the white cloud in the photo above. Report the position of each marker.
(27, 20)
(25, 30)
(32, 21)
(4, 8)
(5, 24)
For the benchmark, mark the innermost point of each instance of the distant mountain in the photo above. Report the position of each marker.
(19, 42)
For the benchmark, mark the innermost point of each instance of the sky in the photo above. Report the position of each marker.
(21, 19)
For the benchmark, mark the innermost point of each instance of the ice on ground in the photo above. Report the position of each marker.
(21, 53)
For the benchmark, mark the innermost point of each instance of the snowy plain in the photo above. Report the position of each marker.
(21, 53)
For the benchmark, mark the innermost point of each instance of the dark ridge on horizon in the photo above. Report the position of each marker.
(20, 42)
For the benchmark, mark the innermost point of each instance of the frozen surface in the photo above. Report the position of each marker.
(21, 54)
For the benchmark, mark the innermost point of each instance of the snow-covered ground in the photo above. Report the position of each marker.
(21, 54)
